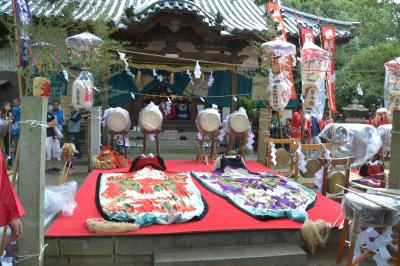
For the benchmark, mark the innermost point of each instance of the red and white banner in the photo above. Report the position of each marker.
(306, 32)
(274, 11)
(328, 35)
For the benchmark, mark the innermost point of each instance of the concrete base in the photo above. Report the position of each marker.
(219, 248)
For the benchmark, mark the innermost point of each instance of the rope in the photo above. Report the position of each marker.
(21, 258)
(35, 123)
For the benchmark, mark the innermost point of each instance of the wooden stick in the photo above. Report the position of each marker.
(361, 196)
(62, 173)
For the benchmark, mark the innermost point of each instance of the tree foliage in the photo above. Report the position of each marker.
(54, 30)
(376, 41)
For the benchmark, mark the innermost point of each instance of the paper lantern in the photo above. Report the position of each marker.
(279, 94)
(41, 86)
(82, 91)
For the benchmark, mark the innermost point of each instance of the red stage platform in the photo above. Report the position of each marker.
(222, 216)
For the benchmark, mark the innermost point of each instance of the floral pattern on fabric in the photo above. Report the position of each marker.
(262, 195)
(149, 196)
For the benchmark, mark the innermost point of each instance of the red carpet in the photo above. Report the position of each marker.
(221, 216)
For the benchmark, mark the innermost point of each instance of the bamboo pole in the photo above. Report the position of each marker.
(20, 91)
(394, 174)
(370, 200)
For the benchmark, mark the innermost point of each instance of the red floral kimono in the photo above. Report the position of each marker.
(10, 206)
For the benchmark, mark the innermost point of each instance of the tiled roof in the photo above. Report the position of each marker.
(239, 16)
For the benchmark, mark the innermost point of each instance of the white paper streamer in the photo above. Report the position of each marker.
(319, 176)
(133, 95)
(302, 161)
(234, 98)
(154, 73)
(65, 72)
(167, 107)
(210, 80)
(197, 70)
(376, 242)
(327, 154)
(160, 77)
(221, 135)
(122, 57)
(202, 99)
(250, 140)
(359, 90)
(273, 152)
(152, 137)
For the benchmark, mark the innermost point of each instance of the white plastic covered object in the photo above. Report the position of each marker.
(117, 119)
(208, 120)
(59, 198)
(150, 118)
(358, 140)
(237, 122)
(370, 214)
(385, 131)
(279, 48)
(279, 91)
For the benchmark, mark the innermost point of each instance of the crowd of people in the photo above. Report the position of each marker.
(10, 113)
(307, 128)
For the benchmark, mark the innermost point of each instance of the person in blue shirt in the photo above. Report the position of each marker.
(58, 113)
(16, 114)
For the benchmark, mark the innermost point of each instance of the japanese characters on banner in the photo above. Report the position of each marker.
(304, 33)
(23, 19)
(286, 62)
(328, 35)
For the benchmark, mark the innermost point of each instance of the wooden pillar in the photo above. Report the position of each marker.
(31, 179)
(95, 133)
(394, 174)
(263, 131)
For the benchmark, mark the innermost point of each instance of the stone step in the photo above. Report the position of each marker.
(165, 149)
(169, 143)
(266, 254)
(166, 135)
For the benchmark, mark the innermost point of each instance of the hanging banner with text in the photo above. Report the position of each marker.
(286, 63)
(328, 35)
